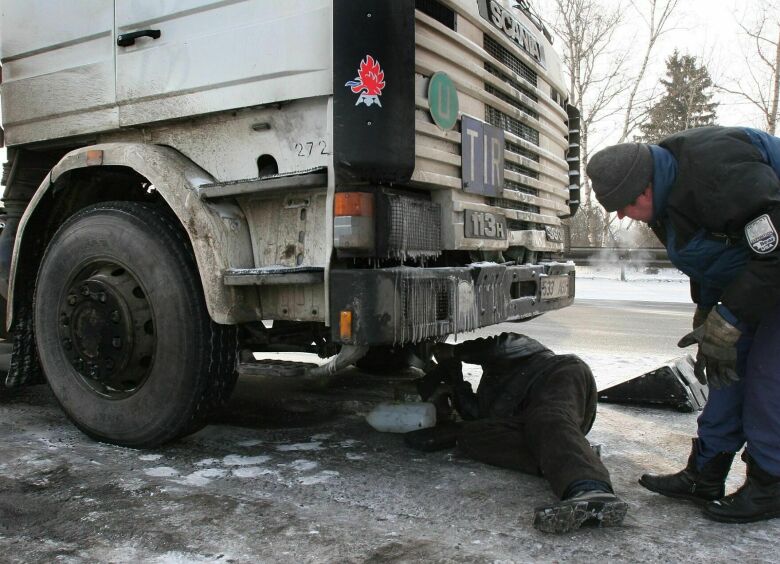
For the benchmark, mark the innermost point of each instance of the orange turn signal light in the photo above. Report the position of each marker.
(345, 325)
(94, 157)
(354, 204)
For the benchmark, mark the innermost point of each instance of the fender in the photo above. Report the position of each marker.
(218, 232)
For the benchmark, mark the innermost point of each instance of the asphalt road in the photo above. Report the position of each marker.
(618, 327)
(619, 339)
(290, 474)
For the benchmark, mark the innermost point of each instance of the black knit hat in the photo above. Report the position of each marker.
(620, 173)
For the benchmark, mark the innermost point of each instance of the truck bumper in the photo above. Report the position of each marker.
(402, 305)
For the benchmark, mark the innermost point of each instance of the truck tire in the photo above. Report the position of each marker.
(122, 329)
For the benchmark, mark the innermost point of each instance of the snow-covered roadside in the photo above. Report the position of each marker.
(667, 285)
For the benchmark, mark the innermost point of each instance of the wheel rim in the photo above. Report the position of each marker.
(107, 330)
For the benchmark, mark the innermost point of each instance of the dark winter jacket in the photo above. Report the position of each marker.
(511, 365)
(716, 196)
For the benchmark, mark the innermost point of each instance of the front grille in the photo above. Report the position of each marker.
(437, 11)
(503, 55)
(490, 89)
(520, 169)
(512, 125)
(518, 150)
(513, 205)
(518, 187)
(492, 69)
(515, 94)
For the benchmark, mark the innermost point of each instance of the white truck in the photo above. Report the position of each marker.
(190, 179)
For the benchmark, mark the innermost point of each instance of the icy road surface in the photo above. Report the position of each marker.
(296, 475)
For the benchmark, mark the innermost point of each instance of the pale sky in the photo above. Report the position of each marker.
(707, 29)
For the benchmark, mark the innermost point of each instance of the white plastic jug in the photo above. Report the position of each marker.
(402, 417)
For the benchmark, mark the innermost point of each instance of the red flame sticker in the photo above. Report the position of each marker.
(369, 82)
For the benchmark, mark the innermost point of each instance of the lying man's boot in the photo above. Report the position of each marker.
(700, 486)
(591, 508)
(757, 500)
(443, 435)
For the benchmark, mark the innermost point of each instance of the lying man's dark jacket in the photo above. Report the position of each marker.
(719, 180)
(511, 364)
(531, 411)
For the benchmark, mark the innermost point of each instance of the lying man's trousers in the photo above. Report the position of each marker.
(547, 436)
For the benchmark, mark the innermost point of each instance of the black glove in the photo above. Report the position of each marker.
(717, 339)
(446, 372)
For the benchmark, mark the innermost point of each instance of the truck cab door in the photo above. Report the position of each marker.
(58, 69)
(191, 57)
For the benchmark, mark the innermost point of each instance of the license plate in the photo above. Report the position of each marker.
(553, 234)
(484, 225)
(554, 287)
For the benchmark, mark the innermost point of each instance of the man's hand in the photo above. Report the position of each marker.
(447, 370)
(700, 316)
(717, 339)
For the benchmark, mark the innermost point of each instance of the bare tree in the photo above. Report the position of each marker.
(763, 65)
(656, 14)
(596, 70)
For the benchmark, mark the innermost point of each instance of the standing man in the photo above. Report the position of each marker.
(530, 413)
(712, 196)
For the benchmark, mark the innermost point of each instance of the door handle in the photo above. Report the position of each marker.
(127, 39)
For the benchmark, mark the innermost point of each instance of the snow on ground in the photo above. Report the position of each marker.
(638, 284)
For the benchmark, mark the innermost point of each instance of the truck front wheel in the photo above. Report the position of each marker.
(123, 334)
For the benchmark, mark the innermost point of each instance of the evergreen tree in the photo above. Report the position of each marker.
(687, 102)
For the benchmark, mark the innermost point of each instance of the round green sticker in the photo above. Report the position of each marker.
(443, 100)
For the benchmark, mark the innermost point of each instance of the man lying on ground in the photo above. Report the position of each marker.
(530, 413)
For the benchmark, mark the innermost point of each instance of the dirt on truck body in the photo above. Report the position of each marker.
(190, 182)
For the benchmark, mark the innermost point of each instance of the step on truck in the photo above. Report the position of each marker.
(189, 181)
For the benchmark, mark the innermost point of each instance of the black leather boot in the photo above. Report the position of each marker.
(700, 486)
(757, 500)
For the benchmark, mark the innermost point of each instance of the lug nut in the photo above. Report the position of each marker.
(67, 344)
(64, 319)
(85, 290)
(116, 342)
(72, 299)
(115, 317)
(102, 297)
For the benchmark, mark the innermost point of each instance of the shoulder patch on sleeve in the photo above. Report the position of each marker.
(761, 234)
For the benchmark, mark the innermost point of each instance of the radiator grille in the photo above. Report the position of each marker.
(516, 94)
(520, 169)
(492, 69)
(512, 125)
(518, 150)
(503, 55)
(513, 205)
(518, 187)
(511, 101)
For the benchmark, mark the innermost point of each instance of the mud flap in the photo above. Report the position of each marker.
(673, 384)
